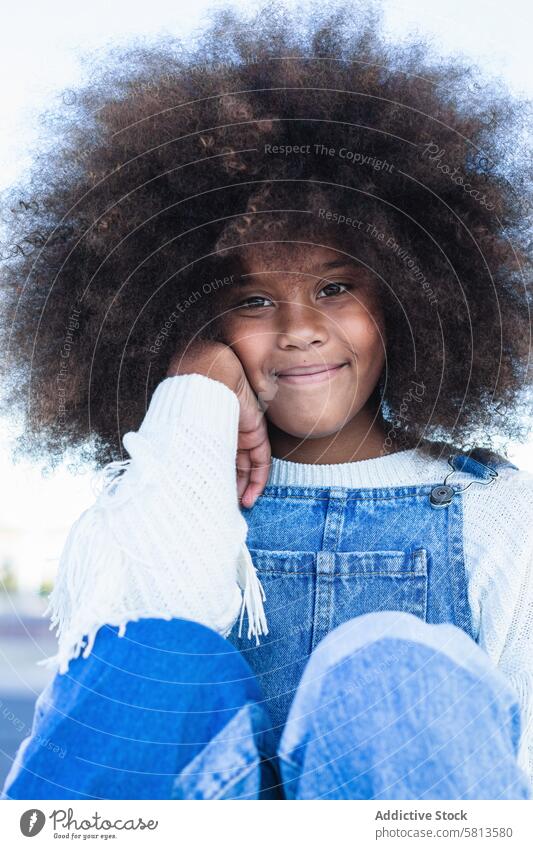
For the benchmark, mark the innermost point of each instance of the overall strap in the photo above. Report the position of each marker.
(479, 460)
(479, 463)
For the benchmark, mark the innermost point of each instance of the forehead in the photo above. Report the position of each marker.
(284, 263)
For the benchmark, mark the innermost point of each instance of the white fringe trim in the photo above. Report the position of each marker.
(91, 585)
(253, 596)
(88, 581)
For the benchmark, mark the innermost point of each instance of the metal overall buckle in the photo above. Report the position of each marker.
(442, 494)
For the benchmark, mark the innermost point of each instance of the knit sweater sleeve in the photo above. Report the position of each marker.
(165, 537)
(516, 660)
(501, 588)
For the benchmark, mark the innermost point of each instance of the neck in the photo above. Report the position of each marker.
(362, 438)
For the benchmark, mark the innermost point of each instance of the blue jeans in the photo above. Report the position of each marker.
(388, 707)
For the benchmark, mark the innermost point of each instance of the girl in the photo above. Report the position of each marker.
(287, 264)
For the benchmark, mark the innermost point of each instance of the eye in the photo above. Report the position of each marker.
(345, 287)
(252, 302)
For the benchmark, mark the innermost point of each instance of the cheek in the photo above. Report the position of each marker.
(251, 351)
(365, 336)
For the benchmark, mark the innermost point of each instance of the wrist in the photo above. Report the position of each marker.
(193, 400)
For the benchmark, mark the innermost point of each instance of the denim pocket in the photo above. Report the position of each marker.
(316, 591)
(301, 586)
(288, 579)
(352, 583)
(308, 593)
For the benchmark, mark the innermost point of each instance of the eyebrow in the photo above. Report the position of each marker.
(249, 279)
(337, 263)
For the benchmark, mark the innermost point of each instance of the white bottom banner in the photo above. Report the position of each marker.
(311, 823)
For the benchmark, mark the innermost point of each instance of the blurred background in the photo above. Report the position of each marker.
(40, 50)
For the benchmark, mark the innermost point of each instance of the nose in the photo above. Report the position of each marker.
(300, 326)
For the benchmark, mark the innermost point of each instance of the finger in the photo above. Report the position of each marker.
(260, 459)
(243, 471)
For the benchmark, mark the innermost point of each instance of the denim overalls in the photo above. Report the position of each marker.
(327, 554)
(388, 707)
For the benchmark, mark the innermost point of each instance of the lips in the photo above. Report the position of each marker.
(314, 368)
(310, 374)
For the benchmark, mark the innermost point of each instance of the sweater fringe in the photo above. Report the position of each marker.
(253, 596)
(93, 557)
(76, 611)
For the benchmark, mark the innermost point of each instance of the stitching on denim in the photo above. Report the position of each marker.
(368, 498)
(288, 761)
(243, 642)
(400, 573)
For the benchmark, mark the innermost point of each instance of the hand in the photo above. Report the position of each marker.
(218, 361)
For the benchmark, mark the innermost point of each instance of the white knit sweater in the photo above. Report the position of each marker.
(166, 538)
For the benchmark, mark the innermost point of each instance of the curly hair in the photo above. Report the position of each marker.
(172, 158)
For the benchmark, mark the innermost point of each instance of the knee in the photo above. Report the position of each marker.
(163, 652)
(400, 632)
(390, 650)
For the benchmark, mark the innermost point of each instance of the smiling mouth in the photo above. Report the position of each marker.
(319, 376)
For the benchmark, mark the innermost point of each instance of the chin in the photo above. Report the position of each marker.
(309, 429)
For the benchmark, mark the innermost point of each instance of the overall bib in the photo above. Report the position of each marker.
(327, 554)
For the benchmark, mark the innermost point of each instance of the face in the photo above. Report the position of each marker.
(308, 329)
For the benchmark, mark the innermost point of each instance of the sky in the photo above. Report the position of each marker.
(40, 49)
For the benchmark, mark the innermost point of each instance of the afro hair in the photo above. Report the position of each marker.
(277, 126)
